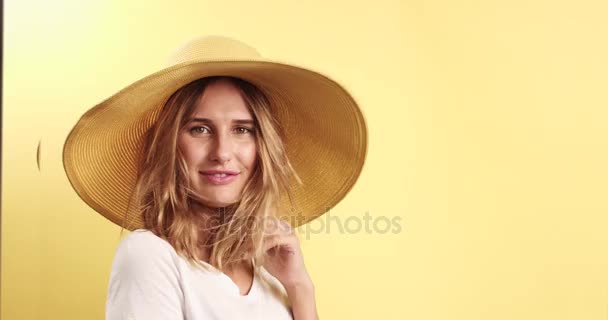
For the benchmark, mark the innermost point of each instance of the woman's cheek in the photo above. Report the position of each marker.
(250, 155)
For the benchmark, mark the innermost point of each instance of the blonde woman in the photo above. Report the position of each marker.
(211, 163)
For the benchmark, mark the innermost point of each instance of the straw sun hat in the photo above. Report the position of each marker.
(325, 131)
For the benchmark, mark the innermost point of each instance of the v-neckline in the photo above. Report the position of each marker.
(253, 285)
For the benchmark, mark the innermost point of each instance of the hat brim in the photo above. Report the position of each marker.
(325, 135)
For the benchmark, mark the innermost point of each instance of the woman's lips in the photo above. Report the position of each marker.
(219, 179)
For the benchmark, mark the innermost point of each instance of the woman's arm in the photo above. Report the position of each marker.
(302, 299)
(285, 262)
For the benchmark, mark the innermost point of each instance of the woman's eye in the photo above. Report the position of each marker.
(198, 129)
(244, 130)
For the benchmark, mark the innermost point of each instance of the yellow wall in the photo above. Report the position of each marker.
(488, 126)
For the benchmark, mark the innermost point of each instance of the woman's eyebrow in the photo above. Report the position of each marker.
(209, 121)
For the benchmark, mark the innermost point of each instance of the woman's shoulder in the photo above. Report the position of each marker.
(145, 279)
(142, 246)
(144, 239)
(143, 236)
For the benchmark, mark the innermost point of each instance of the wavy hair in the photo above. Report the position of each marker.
(164, 198)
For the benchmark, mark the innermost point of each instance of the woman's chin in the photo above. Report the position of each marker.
(218, 202)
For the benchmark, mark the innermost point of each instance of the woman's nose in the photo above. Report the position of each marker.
(222, 148)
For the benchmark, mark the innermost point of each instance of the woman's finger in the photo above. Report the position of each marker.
(274, 241)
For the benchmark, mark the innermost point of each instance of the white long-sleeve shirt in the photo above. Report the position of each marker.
(150, 281)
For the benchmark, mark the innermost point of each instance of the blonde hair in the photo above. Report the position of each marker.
(164, 198)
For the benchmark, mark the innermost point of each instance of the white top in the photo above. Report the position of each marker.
(150, 281)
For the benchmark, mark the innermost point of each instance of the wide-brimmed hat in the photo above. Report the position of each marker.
(325, 130)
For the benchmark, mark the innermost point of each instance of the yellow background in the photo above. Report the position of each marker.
(488, 126)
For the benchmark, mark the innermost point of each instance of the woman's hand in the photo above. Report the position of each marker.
(285, 262)
(283, 255)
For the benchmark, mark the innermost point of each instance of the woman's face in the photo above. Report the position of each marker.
(218, 145)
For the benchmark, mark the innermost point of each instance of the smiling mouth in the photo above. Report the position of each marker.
(219, 178)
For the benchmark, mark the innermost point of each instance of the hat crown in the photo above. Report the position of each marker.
(213, 48)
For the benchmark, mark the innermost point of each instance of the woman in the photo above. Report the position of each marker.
(196, 159)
